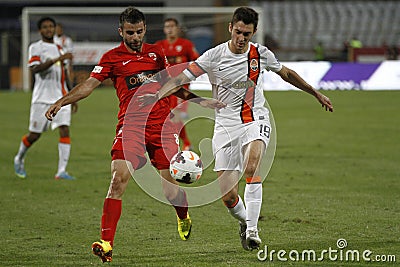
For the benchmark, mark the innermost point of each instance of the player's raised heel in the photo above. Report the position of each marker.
(184, 227)
(253, 240)
(103, 250)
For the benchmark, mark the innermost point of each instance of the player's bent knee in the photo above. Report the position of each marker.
(230, 199)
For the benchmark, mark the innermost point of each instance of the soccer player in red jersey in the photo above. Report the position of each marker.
(133, 65)
(178, 52)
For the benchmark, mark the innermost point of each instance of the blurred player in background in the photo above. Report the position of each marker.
(242, 129)
(133, 65)
(47, 62)
(178, 51)
(66, 43)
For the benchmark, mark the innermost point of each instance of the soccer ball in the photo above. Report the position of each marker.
(186, 167)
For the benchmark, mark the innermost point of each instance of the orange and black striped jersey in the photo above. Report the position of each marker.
(236, 80)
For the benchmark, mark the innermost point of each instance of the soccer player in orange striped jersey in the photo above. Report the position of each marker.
(242, 129)
(178, 51)
(46, 62)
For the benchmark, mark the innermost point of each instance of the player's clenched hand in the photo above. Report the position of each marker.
(325, 102)
(212, 103)
(147, 99)
(52, 111)
(66, 56)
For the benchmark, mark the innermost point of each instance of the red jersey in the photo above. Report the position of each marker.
(182, 50)
(179, 52)
(133, 74)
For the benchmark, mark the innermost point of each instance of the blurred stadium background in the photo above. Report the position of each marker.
(294, 30)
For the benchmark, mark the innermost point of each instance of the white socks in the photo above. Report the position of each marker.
(253, 200)
(250, 213)
(239, 211)
(63, 156)
(21, 151)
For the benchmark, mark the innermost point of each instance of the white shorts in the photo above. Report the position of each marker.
(38, 123)
(228, 142)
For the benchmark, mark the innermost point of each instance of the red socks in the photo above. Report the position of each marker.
(180, 204)
(111, 213)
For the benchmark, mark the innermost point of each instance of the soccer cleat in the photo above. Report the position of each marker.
(64, 176)
(103, 250)
(19, 168)
(184, 227)
(242, 233)
(252, 239)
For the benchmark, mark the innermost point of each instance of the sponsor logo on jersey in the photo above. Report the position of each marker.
(97, 69)
(136, 80)
(243, 84)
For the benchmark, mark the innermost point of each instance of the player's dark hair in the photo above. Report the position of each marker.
(131, 15)
(172, 19)
(247, 15)
(41, 20)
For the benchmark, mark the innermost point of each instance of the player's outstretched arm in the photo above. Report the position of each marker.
(169, 88)
(204, 102)
(290, 76)
(174, 86)
(79, 92)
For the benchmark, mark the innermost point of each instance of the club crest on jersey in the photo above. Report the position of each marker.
(254, 64)
(153, 56)
(178, 48)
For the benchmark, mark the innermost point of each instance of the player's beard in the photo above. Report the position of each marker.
(135, 46)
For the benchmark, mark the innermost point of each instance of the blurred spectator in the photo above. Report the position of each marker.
(355, 43)
(319, 51)
(345, 51)
(392, 53)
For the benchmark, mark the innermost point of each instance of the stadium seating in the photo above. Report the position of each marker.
(301, 24)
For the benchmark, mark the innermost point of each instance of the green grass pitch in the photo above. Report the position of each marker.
(335, 175)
